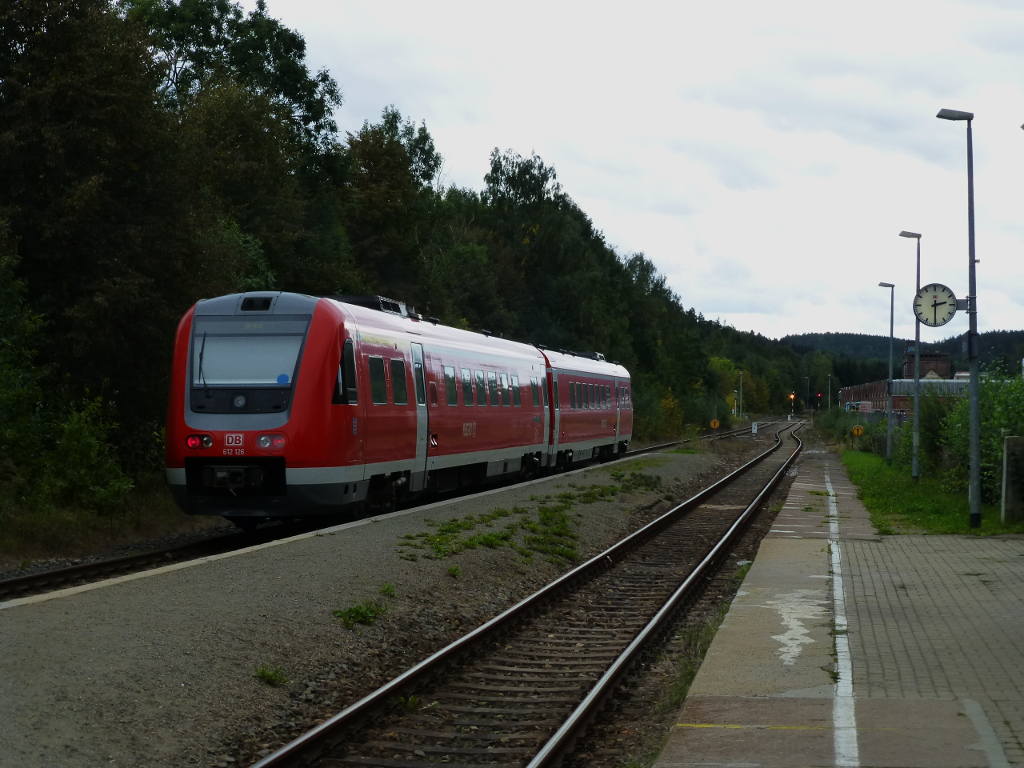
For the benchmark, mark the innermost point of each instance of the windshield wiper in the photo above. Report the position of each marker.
(202, 376)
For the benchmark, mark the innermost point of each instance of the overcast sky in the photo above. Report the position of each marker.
(764, 156)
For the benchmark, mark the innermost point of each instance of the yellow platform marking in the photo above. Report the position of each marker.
(756, 726)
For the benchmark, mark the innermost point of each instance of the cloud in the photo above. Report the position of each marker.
(763, 156)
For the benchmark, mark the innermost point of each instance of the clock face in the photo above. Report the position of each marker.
(935, 304)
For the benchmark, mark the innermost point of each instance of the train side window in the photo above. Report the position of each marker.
(345, 392)
(378, 385)
(517, 398)
(467, 387)
(544, 392)
(421, 390)
(608, 395)
(433, 393)
(572, 395)
(556, 395)
(506, 393)
(481, 388)
(534, 391)
(586, 396)
(593, 395)
(492, 387)
(399, 388)
(449, 385)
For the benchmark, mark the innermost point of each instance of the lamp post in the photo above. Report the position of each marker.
(741, 396)
(888, 386)
(915, 470)
(974, 438)
(830, 392)
(807, 392)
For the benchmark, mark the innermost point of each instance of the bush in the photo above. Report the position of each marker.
(1001, 400)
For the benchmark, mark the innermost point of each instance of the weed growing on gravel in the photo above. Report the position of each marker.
(409, 703)
(272, 676)
(637, 481)
(361, 613)
(388, 590)
(696, 641)
(552, 534)
(455, 571)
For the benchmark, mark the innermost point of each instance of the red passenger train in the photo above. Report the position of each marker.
(285, 405)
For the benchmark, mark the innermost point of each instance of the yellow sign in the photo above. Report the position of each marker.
(857, 430)
(714, 423)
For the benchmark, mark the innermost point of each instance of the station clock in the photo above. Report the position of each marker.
(935, 304)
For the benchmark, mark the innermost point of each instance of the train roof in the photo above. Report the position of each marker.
(393, 316)
(431, 329)
(562, 360)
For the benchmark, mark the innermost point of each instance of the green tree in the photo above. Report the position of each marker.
(200, 42)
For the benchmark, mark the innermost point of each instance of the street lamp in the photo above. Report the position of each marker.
(888, 387)
(974, 451)
(915, 471)
(741, 396)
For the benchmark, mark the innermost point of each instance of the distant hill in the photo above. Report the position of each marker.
(1003, 346)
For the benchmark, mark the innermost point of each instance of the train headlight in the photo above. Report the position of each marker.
(268, 442)
(239, 401)
(195, 442)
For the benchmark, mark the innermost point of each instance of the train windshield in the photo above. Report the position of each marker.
(235, 352)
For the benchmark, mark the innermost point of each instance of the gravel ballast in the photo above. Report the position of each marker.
(160, 669)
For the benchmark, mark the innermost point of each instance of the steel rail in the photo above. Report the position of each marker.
(312, 744)
(17, 586)
(571, 728)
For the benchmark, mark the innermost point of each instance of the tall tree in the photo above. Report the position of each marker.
(202, 41)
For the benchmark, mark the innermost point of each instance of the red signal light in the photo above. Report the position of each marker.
(270, 442)
(195, 442)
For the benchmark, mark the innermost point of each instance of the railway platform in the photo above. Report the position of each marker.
(848, 648)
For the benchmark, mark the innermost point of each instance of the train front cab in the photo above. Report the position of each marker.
(251, 408)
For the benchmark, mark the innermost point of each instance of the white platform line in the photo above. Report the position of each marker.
(844, 715)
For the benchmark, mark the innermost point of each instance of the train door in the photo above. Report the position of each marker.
(617, 394)
(419, 474)
(556, 424)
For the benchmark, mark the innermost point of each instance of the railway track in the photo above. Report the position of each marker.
(521, 689)
(84, 573)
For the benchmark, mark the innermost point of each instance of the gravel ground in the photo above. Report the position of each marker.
(159, 670)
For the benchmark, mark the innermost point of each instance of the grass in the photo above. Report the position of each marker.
(897, 504)
(547, 530)
(365, 613)
(275, 677)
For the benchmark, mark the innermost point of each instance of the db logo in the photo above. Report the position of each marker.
(234, 440)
